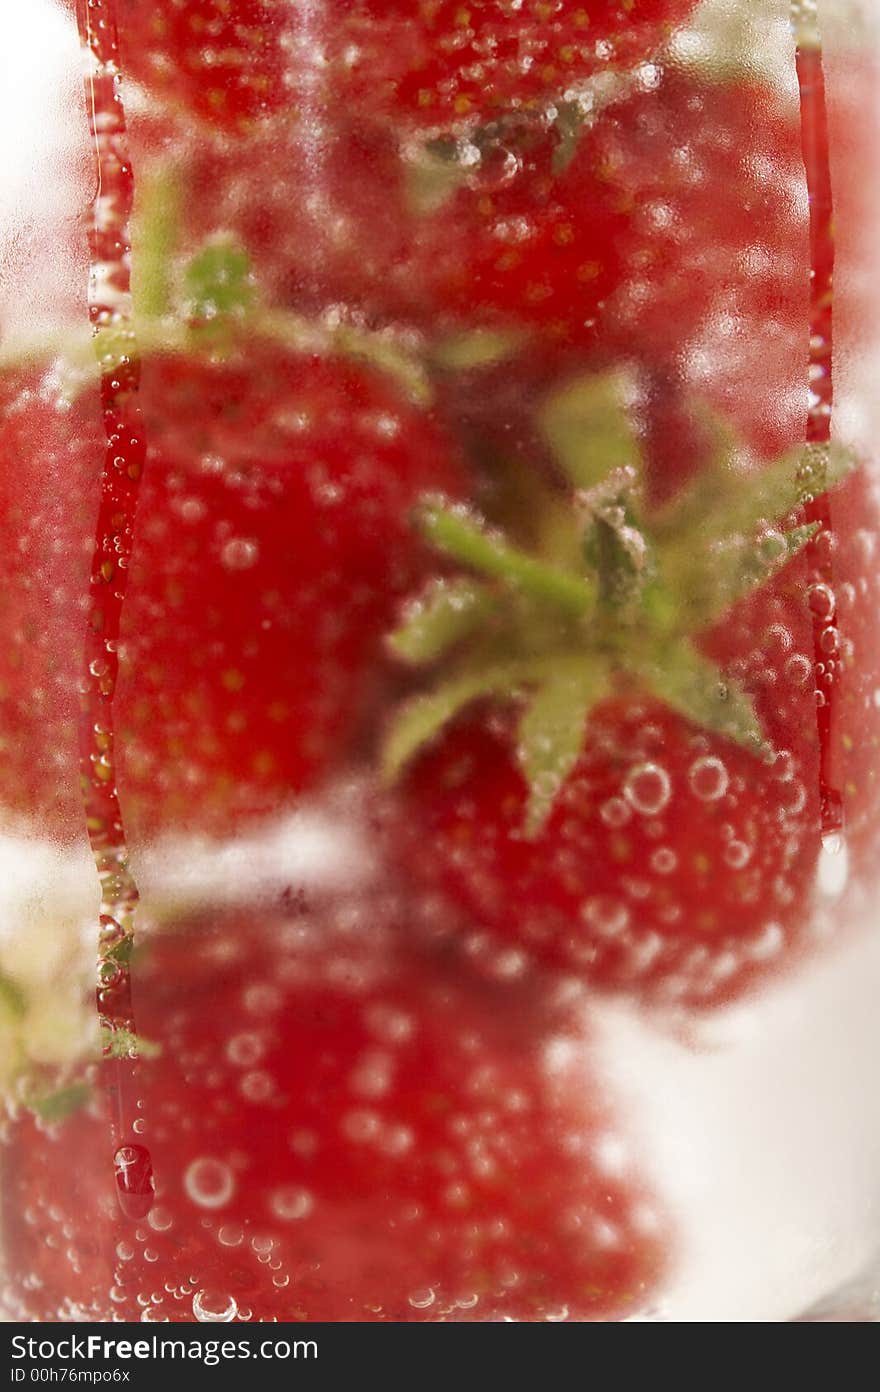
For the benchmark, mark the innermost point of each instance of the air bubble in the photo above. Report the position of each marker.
(389, 1024)
(160, 1220)
(240, 553)
(833, 867)
(257, 1086)
(795, 798)
(230, 1235)
(829, 641)
(372, 1075)
(822, 601)
(291, 1203)
(708, 779)
(768, 944)
(664, 860)
(607, 916)
(245, 1049)
(798, 670)
(647, 789)
(211, 1307)
(422, 1299)
(615, 812)
(153, 1316)
(557, 1316)
(737, 854)
(209, 1183)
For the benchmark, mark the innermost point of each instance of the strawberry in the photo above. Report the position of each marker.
(232, 64)
(652, 818)
(348, 237)
(670, 866)
(716, 290)
(448, 64)
(225, 62)
(339, 1130)
(635, 235)
(271, 540)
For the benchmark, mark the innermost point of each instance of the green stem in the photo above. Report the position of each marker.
(155, 234)
(465, 540)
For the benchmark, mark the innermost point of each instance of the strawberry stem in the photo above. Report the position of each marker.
(464, 538)
(154, 236)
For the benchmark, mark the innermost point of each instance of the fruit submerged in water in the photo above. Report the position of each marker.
(340, 1130)
(271, 540)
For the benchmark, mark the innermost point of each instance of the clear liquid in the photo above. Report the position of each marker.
(738, 1144)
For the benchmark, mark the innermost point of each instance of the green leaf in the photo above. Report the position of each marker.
(476, 348)
(695, 687)
(733, 569)
(589, 430)
(13, 1001)
(422, 717)
(709, 492)
(122, 1042)
(219, 281)
(463, 535)
(58, 1105)
(447, 612)
(725, 500)
(720, 541)
(122, 951)
(386, 353)
(819, 467)
(770, 493)
(614, 544)
(551, 731)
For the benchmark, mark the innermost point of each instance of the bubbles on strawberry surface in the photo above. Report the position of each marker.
(432, 66)
(293, 479)
(470, 1168)
(473, 389)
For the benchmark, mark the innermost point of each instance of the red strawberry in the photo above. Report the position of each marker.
(510, 249)
(672, 864)
(654, 821)
(338, 1131)
(447, 62)
(651, 240)
(534, 248)
(226, 62)
(677, 219)
(675, 237)
(345, 240)
(234, 63)
(716, 289)
(837, 665)
(271, 539)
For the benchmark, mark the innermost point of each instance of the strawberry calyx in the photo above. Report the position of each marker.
(61, 1102)
(81, 355)
(613, 597)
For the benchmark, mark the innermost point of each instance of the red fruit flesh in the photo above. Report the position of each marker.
(272, 538)
(716, 285)
(429, 65)
(672, 866)
(224, 62)
(339, 1131)
(346, 240)
(449, 63)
